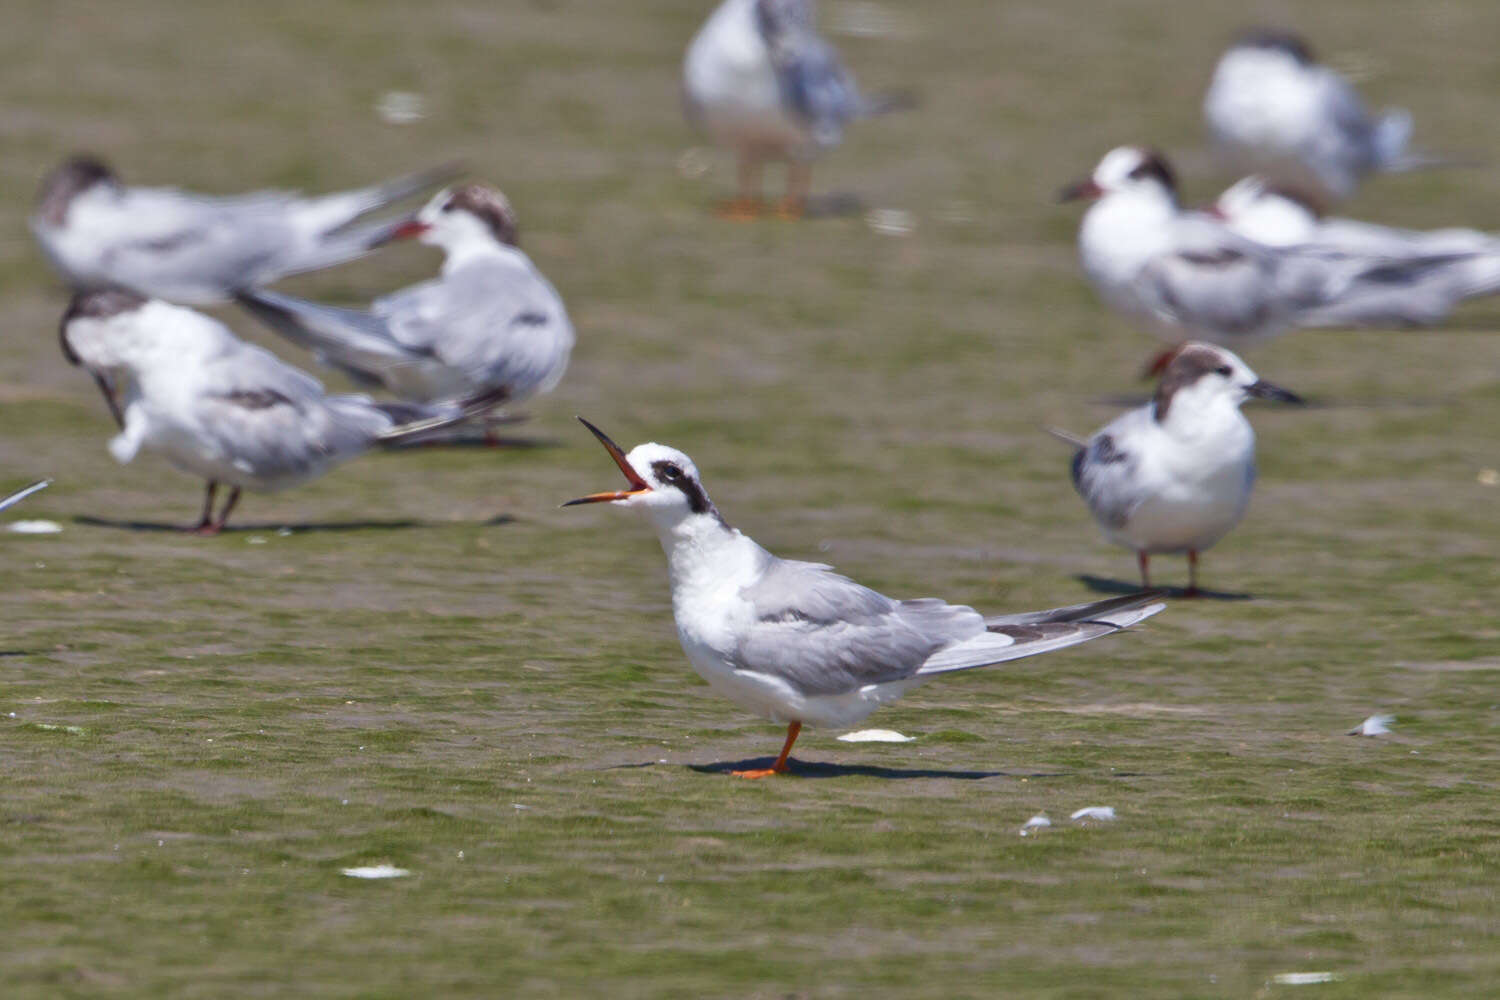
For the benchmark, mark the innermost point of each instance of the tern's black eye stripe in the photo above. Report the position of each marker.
(671, 474)
(1224, 370)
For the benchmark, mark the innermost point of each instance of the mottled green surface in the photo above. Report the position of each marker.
(439, 669)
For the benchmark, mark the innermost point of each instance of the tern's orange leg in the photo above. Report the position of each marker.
(780, 766)
(1192, 590)
(747, 207)
(1143, 560)
(798, 183)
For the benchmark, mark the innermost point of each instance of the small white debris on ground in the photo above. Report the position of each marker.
(401, 107)
(1305, 978)
(48, 727)
(34, 528)
(694, 163)
(891, 221)
(376, 871)
(1489, 477)
(1375, 725)
(1037, 822)
(875, 736)
(1103, 813)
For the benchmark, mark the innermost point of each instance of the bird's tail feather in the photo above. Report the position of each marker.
(23, 493)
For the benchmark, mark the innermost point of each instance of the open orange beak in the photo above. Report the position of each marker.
(637, 484)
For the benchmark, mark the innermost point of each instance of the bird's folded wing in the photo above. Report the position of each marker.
(1001, 642)
(357, 342)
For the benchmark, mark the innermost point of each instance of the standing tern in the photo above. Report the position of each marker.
(1175, 475)
(180, 383)
(1273, 109)
(759, 80)
(198, 249)
(1189, 276)
(23, 493)
(491, 327)
(800, 644)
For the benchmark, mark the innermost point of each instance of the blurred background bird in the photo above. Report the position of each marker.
(759, 80)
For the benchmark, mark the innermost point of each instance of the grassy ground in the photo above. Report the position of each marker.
(437, 668)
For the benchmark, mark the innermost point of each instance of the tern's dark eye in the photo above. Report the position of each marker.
(448, 206)
(1224, 370)
(670, 473)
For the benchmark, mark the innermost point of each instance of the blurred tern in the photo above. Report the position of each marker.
(1275, 217)
(23, 493)
(1273, 109)
(796, 642)
(1189, 276)
(180, 383)
(760, 80)
(1175, 475)
(491, 328)
(198, 249)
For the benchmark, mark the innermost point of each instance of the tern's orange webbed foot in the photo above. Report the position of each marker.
(741, 210)
(791, 209)
(764, 772)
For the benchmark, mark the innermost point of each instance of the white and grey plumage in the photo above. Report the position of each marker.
(1188, 276)
(759, 80)
(490, 329)
(798, 643)
(23, 493)
(1273, 109)
(181, 384)
(1175, 475)
(1275, 217)
(198, 249)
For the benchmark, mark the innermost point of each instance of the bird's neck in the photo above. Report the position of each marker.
(1206, 418)
(470, 247)
(1121, 232)
(704, 552)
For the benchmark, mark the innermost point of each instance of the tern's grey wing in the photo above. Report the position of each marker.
(1414, 291)
(209, 249)
(1004, 639)
(1215, 283)
(1106, 475)
(496, 319)
(824, 634)
(23, 493)
(817, 87)
(354, 341)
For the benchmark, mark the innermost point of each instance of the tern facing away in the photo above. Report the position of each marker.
(23, 493)
(759, 80)
(490, 329)
(1188, 276)
(180, 383)
(798, 643)
(1175, 475)
(198, 249)
(1273, 109)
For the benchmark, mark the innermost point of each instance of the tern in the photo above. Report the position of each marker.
(1441, 267)
(23, 493)
(1273, 109)
(1175, 475)
(198, 249)
(1188, 276)
(180, 383)
(759, 80)
(490, 327)
(798, 643)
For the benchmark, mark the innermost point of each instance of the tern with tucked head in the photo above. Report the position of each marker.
(1273, 109)
(1188, 276)
(198, 249)
(490, 329)
(798, 643)
(1175, 475)
(180, 383)
(759, 80)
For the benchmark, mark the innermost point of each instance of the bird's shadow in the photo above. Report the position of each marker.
(236, 529)
(823, 769)
(1106, 585)
(833, 205)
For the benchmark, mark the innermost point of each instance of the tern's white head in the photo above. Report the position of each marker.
(1201, 378)
(1257, 211)
(663, 483)
(73, 177)
(95, 332)
(1127, 170)
(465, 216)
(1270, 47)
